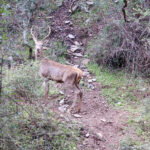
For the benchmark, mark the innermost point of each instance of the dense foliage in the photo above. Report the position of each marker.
(124, 44)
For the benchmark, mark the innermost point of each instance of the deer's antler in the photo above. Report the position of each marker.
(47, 34)
(33, 36)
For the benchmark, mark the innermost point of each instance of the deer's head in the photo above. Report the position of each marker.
(39, 44)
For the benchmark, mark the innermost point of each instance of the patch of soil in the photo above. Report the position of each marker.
(103, 123)
(61, 30)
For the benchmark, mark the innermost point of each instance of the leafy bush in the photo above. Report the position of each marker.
(121, 44)
(24, 82)
(30, 127)
(117, 87)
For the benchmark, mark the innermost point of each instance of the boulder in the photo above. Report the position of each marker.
(74, 48)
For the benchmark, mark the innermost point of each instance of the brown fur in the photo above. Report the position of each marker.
(51, 70)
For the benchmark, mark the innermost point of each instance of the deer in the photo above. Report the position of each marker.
(60, 73)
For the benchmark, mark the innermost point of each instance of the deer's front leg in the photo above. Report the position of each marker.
(46, 89)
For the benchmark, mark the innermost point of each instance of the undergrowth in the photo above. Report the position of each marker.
(131, 94)
(130, 144)
(27, 124)
(119, 87)
(30, 127)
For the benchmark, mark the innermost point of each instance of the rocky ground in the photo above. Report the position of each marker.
(102, 125)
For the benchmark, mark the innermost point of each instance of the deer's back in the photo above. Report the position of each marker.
(59, 72)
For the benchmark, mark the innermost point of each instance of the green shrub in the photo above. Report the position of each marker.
(130, 144)
(24, 82)
(120, 44)
(28, 127)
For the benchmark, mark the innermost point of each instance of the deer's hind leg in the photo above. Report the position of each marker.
(71, 81)
(78, 100)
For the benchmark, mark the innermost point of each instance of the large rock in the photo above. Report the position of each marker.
(67, 22)
(76, 66)
(77, 116)
(87, 135)
(99, 136)
(87, 21)
(61, 102)
(77, 43)
(77, 54)
(71, 36)
(75, 48)
(90, 3)
(91, 86)
(74, 8)
(92, 80)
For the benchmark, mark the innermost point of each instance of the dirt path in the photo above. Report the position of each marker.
(102, 125)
